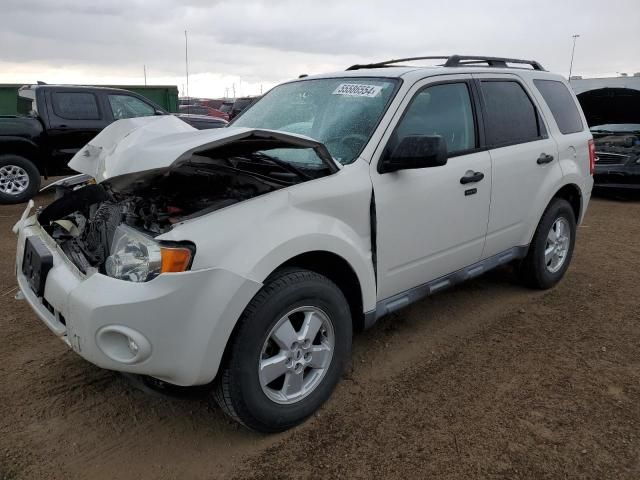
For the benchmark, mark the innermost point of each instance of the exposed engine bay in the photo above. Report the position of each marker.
(83, 221)
(622, 144)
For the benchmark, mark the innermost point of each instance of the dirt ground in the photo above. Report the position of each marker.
(485, 380)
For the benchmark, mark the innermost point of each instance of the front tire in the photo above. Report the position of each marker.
(552, 246)
(19, 179)
(288, 352)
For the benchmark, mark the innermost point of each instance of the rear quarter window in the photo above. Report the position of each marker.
(562, 105)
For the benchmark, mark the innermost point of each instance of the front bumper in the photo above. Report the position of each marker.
(617, 176)
(174, 327)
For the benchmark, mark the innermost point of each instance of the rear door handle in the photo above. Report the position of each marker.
(471, 177)
(544, 158)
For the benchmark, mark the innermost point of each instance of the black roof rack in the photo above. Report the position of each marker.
(456, 61)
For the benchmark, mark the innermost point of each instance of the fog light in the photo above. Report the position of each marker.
(123, 344)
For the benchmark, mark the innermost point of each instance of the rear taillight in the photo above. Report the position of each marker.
(592, 156)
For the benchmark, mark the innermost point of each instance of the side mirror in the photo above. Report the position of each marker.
(415, 151)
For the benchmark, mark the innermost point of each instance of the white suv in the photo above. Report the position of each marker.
(245, 257)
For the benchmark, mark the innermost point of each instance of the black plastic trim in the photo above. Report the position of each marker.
(403, 299)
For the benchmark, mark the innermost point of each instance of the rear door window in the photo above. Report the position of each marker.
(510, 116)
(75, 105)
(561, 104)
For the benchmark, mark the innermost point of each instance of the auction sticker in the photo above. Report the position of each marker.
(357, 90)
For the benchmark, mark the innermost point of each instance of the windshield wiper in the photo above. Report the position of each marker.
(281, 163)
(205, 167)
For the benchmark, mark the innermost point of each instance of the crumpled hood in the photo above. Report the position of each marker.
(147, 143)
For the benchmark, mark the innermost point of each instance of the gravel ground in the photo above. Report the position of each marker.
(488, 380)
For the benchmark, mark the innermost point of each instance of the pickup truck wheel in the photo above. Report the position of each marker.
(288, 352)
(19, 179)
(551, 250)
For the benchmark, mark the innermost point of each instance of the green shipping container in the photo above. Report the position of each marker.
(165, 96)
(9, 98)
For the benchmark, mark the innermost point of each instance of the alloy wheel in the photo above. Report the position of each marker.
(13, 179)
(296, 355)
(557, 244)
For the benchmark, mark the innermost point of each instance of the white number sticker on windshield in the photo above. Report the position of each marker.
(357, 90)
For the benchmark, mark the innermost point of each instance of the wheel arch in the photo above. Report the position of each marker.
(572, 194)
(340, 272)
(569, 191)
(329, 264)
(22, 148)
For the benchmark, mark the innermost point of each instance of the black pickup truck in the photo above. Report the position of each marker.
(59, 121)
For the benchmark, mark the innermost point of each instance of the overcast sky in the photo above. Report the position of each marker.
(256, 44)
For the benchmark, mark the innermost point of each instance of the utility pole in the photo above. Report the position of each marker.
(186, 60)
(233, 88)
(573, 50)
(145, 74)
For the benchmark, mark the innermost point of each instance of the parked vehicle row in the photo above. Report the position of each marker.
(241, 104)
(203, 110)
(60, 120)
(217, 108)
(246, 257)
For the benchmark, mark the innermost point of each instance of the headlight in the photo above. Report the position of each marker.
(138, 258)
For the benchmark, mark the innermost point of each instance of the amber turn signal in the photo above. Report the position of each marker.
(174, 259)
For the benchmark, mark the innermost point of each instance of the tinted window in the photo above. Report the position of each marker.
(75, 106)
(126, 106)
(510, 116)
(561, 104)
(443, 110)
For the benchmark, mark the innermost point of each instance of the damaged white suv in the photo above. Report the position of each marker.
(246, 256)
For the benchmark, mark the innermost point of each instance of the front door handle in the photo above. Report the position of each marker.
(471, 177)
(544, 158)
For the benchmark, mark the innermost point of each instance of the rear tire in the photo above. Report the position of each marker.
(19, 179)
(552, 246)
(308, 362)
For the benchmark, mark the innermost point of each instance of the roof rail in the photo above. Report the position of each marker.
(456, 61)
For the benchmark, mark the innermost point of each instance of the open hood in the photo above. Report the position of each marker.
(147, 143)
(610, 105)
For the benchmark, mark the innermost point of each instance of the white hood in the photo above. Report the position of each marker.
(147, 143)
